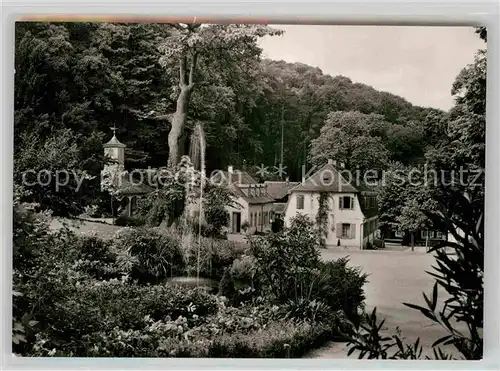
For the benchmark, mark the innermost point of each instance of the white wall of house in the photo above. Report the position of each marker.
(258, 216)
(344, 224)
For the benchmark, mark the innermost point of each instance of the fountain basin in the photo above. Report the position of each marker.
(192, 282)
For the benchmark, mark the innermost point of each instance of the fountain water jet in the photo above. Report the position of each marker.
(195, 160)
(200, 135)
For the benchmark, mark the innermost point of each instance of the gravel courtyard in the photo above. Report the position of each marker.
(395, 276)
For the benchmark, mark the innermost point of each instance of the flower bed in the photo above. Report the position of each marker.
(83, 296)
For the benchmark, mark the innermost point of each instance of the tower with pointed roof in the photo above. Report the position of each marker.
(114, 149)
(125, 192)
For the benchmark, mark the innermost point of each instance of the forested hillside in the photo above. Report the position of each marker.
(85, 77)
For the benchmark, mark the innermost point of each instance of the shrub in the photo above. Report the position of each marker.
(286, 261)
(217, 199)
(90, 247)
(156, 339)
(244, 271)
(181, 337)
(308, 310)
(93, 255)
(206, 230)
(243, 274)
(340, 286)
(226, 285)
(280, 339)
(215, 256)
(148, 255)
(95, 310)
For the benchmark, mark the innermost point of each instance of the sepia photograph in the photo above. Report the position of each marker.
(194, 188)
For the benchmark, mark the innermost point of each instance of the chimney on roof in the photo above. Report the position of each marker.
(287, 179)
(330, 161)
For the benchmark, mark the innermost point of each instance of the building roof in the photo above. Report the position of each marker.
(237, 177)
(329, 179)
(114, 143)
(128, 188)
(261, 199)
(279, 189)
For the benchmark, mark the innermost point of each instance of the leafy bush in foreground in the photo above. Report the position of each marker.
(215, 256)
(340, 286)
(70, 323)
(148, 255)
(281, 339)
(287, 261)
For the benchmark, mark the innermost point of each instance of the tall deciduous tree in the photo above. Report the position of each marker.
(346, 137)
(188, 45)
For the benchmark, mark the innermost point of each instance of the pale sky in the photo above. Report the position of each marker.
(418, 63)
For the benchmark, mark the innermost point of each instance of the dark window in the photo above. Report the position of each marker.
(300, 202)
(345, 202)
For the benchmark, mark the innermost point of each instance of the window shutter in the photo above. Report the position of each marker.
(353, 230)
(341, 203)
(339, 230)
(352, 203)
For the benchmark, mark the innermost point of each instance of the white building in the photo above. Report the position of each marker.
(253, 206)
(352, 206)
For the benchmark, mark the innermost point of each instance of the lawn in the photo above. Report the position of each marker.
(103, 230)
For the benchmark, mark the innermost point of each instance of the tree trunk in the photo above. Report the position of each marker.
(178, 122)
(412, 236)
(186, 83)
